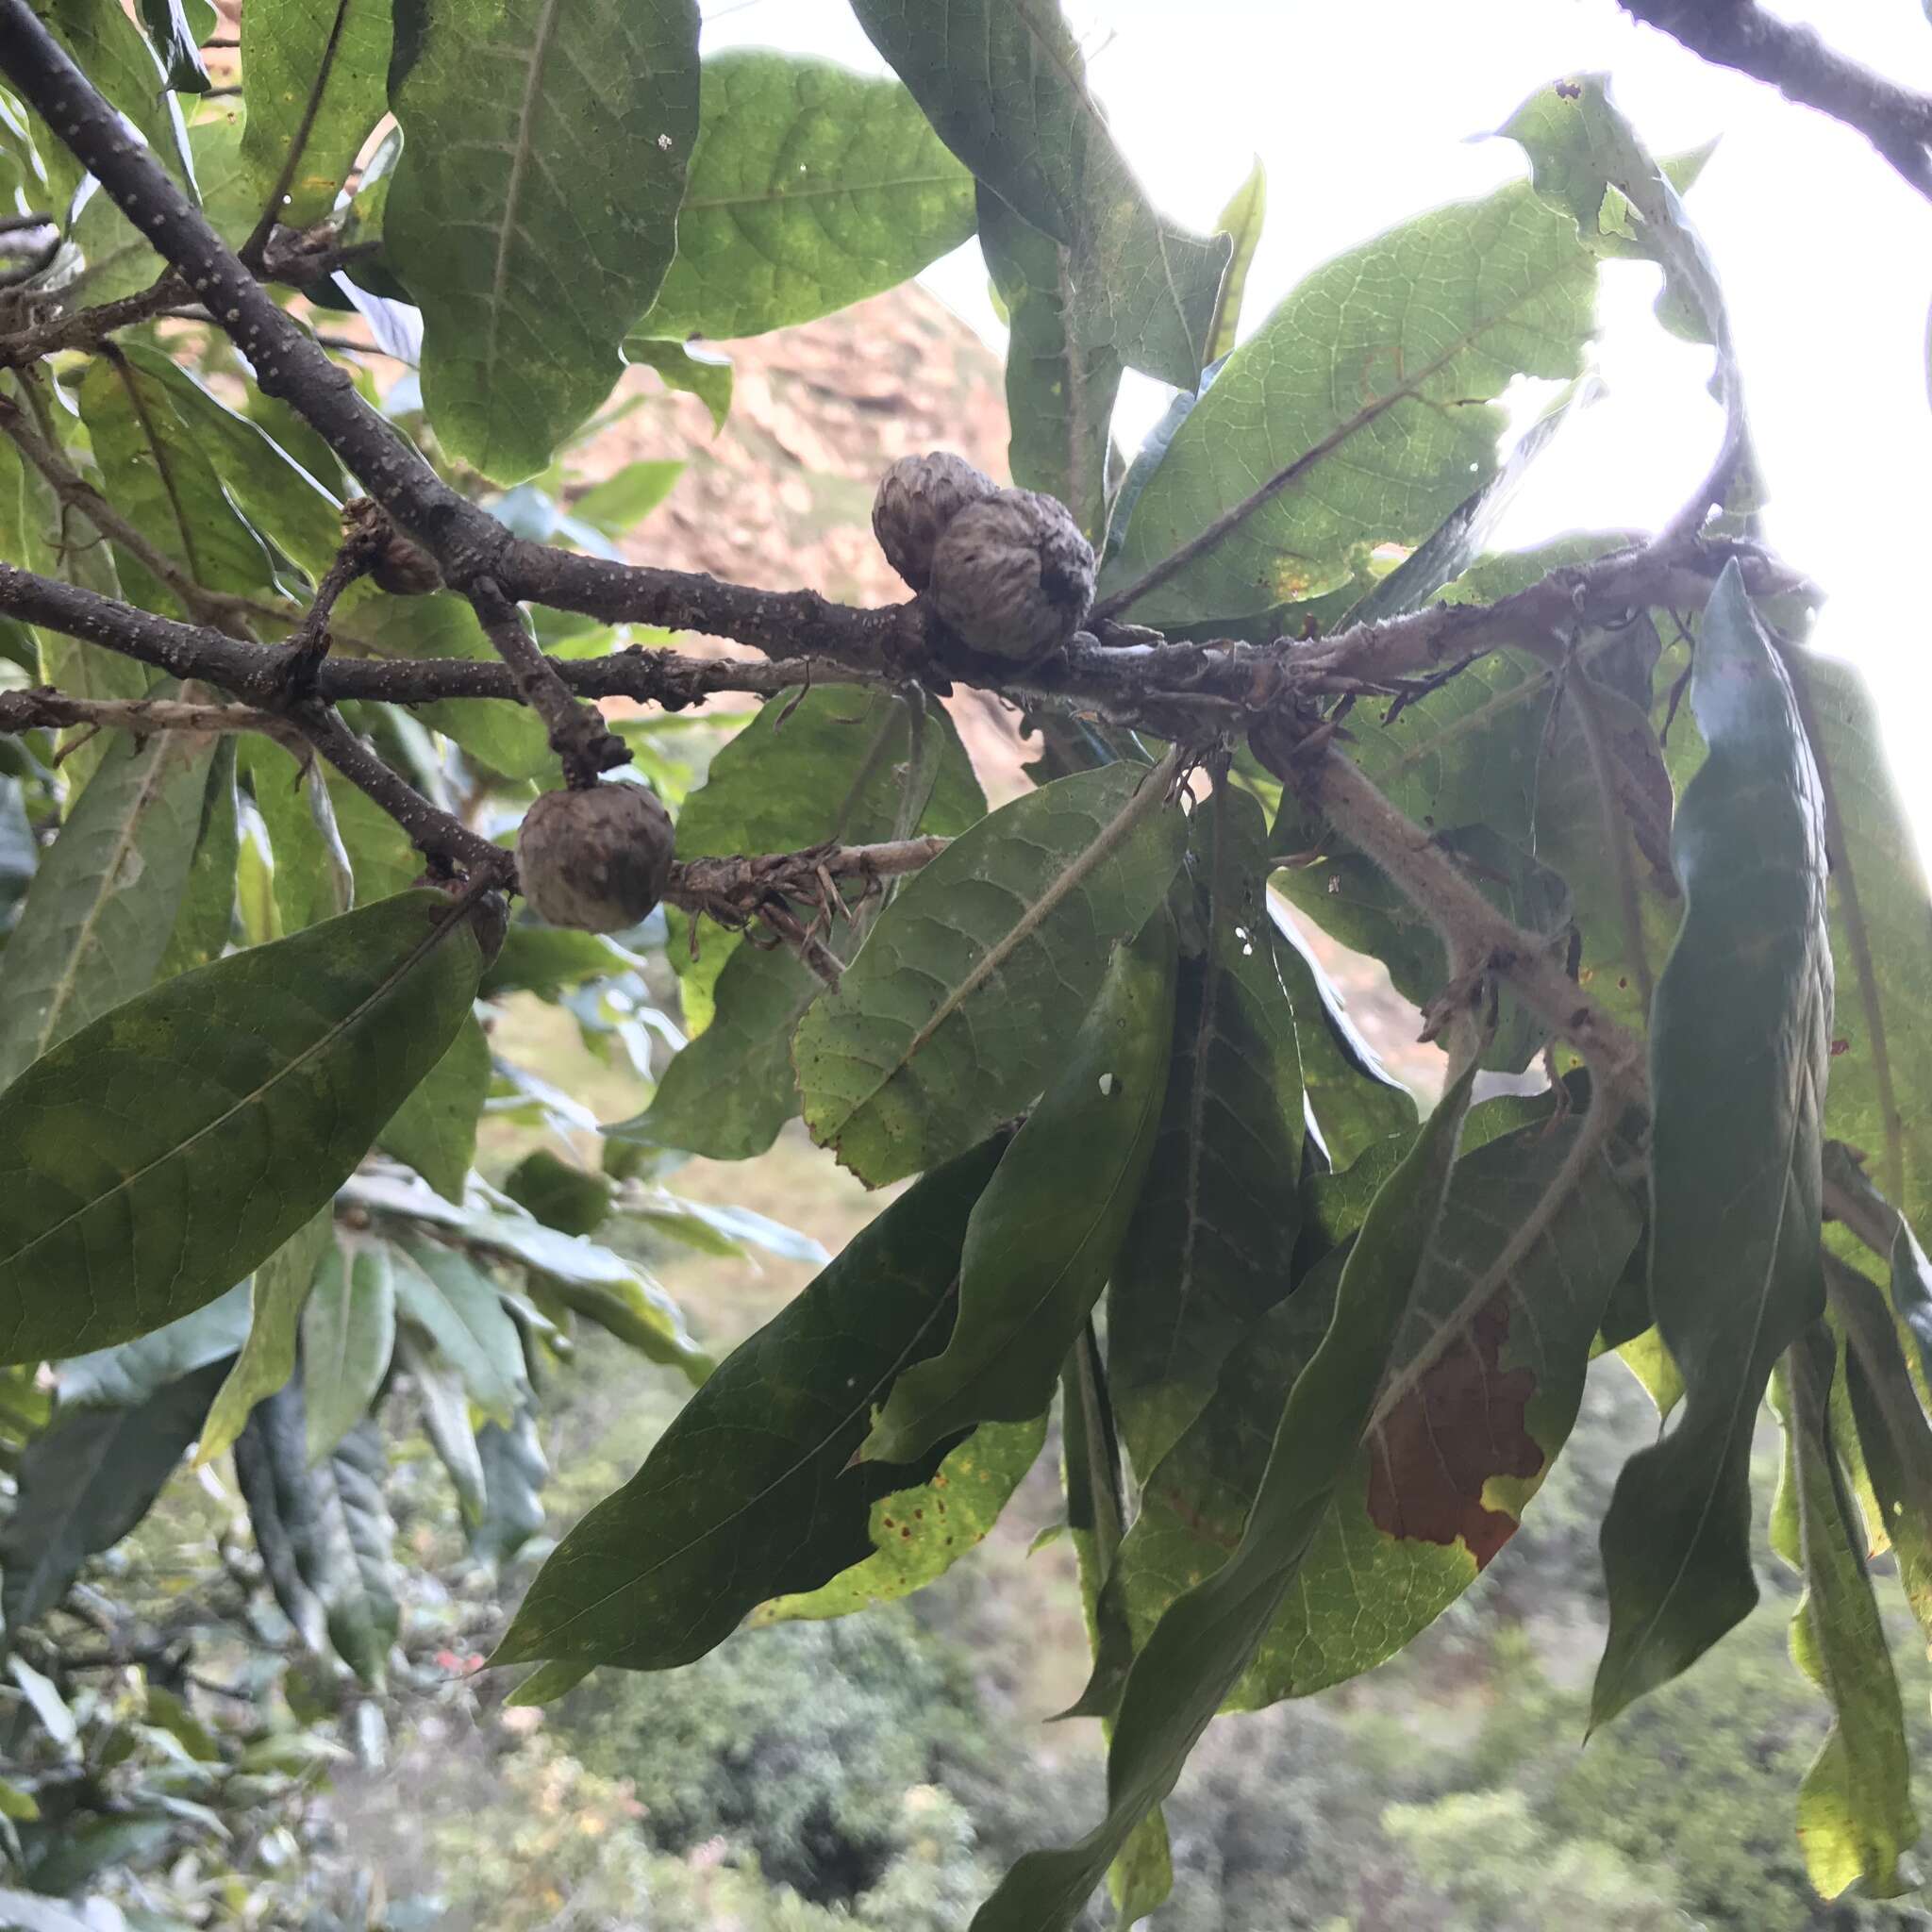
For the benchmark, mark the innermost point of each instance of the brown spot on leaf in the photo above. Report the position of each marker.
(1459, 1426)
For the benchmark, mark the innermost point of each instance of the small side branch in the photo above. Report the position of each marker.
(1739, 34)
(45, 709)
(577, 732)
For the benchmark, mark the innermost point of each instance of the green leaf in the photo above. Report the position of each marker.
(131, 1373)
(1198, 1651)
(382, 860)
(313, 879)
(1001, 942)
(277, 1292)
(1016, 109)
(544, 960)
(445, 1415)
(158, 475)
(271, 1469)
(315, 71)
(458, 1307)
(273, 490)
(1479, 1398)
(684, 369)
(918, 1534)
(752, 1492)
(1738, 1052)
(626, 498)
(559, 1194)
(98, 916)
(354, 1575)
(1854, 1808)
(1242, 220)
(534, 210)
(513, 1473)
(434, 1129)
(348, 1335)
(205, 921)
(262, 1081)
(1045, 1236)
(1397, 347)
(86, 1482)
(1211, 1245)
(811, 188)
(1060, 395)
(174, 42)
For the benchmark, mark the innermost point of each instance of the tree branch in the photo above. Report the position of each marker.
(1739, 34)
(577, 732)
(44, 708)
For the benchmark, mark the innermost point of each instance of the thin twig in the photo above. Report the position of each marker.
(365, 537)
(577, 732)
(45, 709)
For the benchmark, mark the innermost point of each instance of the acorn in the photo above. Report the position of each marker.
(1013, 576)
(597, 860)
(917, 498)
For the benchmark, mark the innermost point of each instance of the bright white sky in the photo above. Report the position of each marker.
(1363, 115)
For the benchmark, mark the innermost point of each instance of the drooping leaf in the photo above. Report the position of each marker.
(354, 1575)
(272, 1471)
(174, 43)
(1481, 1390)
(102, 904)
(573, 1200)
(313, 878)
(277, 1292)
(1059, 394)
(1048, 1231)
(1855, 1818)
(315, 71)
(457, 1307)
(1018, 112)
(933, 1036)
(434, 1129)
(751, 1494)
(206, 921)
(811, 188)
(348, 1335)
(688, 371)
(131, 1373)
(918, 1534)
(162, 482)
(85, 1483)
(1738, 1051)
(1511, 291)
(247, 1090)
(445, 1415)
(513, 1473)
(1212, 1240)
(545, 147)
(1241, 220)
(1198, 1652)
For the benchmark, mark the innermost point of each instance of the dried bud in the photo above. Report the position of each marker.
(597, 860)
(1013, 576)
(917, 498)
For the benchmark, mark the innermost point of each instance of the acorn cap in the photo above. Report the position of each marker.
(1013, 576)
(916, 499)
(596, 859)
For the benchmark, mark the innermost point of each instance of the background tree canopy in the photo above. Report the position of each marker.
(334, 720)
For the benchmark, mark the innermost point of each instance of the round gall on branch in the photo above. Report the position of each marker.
(598, 858)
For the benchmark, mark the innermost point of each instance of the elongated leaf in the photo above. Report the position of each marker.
(918, 1534)
(1059, 394)
(811, 186)
(513, 1473)
(1482, 1391)
(1046, 1232)
(131, 1373)
(313, 879)
(159, 478)
(457, 1307)
(315, 73)
(434, 1129)
(354, 1574)
(1241, 220)
(348, 1335)
(1017, 111)
(1198, 1651)
(533, 212)
(445, 1414)
(1854, 1808)
(751, 1494)
(1511, 290)
(276, 1292)
(103, 905)
(1738, 1052)
(205, 921)
(1213, 1241)
(572, 1199)
(708, 377)
(933, 1036)
(87, 1482)
(174, 43)
(272, 1471)
(248, 1089)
